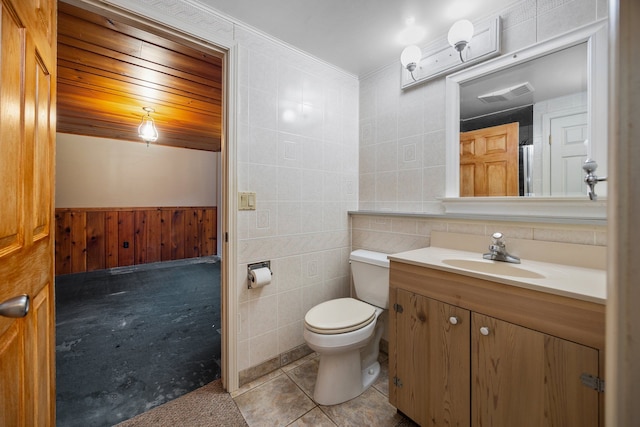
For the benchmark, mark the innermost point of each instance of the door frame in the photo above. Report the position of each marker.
(228, 50)
(623, 231)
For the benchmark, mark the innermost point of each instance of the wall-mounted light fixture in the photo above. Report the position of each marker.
(147, 129)
(410, 57)
(460, 34)
(438, 59)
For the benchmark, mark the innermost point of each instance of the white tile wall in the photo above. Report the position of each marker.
(393, 233)
(555, 17)
(299, 153)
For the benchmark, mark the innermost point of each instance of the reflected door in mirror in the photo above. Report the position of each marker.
(489, 161)
(568, 151)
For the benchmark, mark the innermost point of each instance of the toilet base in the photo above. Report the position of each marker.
(370, 375)
(345, 375)
(341, 378)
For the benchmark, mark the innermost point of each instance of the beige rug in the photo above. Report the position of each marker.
(207, 406)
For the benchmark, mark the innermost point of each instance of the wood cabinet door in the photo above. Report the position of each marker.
(27, 150)
(432, 361)
(526, 378)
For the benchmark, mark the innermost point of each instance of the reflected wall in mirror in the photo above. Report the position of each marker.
(554, 95)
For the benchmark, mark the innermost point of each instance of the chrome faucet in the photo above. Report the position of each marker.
(590, 178)
(498, 251)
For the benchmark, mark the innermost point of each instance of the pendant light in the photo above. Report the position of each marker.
(147, 129)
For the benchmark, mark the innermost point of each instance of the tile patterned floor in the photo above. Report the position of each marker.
(284, 398)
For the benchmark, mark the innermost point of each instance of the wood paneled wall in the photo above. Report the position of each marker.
(97, 238)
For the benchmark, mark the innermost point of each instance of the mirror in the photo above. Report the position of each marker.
(557, 87)
(547, 99)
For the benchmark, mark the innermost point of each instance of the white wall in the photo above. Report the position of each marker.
(101, 172)
(298, 150)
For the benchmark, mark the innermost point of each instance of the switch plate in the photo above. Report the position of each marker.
(247, 201)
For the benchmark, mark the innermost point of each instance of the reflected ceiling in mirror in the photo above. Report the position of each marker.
(551, 76)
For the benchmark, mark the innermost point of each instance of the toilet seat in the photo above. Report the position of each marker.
(339, 316)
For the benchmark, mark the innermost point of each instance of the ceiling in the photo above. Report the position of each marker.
(109, 70)
(358, 36)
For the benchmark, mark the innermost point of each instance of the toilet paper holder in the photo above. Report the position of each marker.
(255, 266)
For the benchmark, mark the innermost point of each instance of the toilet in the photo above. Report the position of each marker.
(346, 332)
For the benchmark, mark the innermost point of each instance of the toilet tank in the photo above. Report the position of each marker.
(370, 272)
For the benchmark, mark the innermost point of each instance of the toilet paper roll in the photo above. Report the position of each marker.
(259, 277)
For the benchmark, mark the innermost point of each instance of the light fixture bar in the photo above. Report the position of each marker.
(439, 59)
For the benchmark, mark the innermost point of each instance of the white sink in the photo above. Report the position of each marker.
(567, 280)
(493, 267)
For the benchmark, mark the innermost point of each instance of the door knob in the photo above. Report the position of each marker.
(15, 307)
(454, 320)
(484, 330)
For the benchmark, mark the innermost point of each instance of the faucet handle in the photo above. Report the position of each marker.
(497, 238)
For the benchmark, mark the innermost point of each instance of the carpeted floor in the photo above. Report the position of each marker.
(205, 407)
(130, 339)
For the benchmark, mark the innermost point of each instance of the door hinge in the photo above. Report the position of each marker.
(397, 382)
(226, 237)
(592, 382)
(549, 139)
(398, 308)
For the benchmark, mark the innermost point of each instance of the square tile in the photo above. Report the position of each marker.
(305, 375)
(371, 408)
(276, 402)
(313, 418)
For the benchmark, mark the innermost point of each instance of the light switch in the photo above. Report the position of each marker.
(246, 201)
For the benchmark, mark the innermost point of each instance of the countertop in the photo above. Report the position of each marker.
(586, 284)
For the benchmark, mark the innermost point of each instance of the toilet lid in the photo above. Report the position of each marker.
(339, 316)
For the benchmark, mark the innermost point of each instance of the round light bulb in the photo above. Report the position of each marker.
(460, 32)
(410, 55)
(147, 130)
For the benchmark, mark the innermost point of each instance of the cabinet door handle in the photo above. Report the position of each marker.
(454, 320)
(484, 330)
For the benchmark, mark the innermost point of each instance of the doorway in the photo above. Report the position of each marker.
(193, 43)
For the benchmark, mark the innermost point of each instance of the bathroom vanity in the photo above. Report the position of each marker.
(484, 343)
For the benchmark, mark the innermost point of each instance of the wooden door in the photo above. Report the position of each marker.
(489, 161)
(522, 377)
(432, 361)
(27, 139)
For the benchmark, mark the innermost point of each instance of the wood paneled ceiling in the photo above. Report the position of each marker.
(108, 71)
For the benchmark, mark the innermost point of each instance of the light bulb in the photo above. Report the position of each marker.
(460, 34)
(410, 57)
(147, 129)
